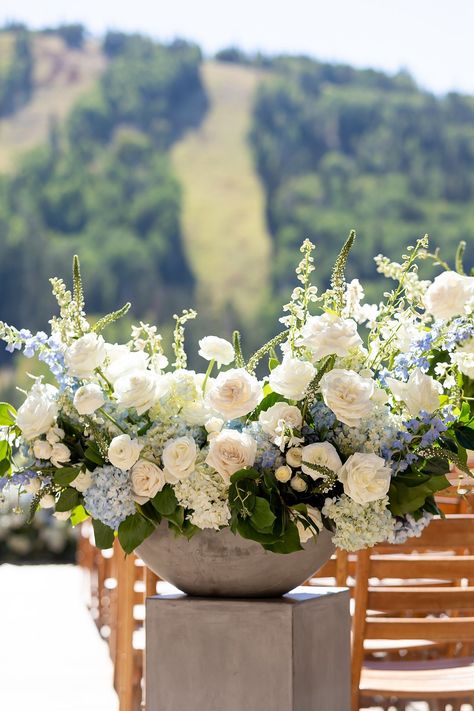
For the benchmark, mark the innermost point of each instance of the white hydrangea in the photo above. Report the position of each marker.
(205, 493)
(359, 525)
(371, 435)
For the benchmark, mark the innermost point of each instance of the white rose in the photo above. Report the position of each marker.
(124, 451)
(141, 389)
(214, 425)
(463, 357)
(60, 454)
(329, 335)
(292, 377)
(86, 354)
(55, 434)
(47, 501)
(42, 449)
(218, 349)
(234, 393)
(322, 453)
(179, 458)
(38, 412)
(449, 295)
(348, 395)
(33, 486)
(82, 481)
(279, 416)
(294, 456)
(88, 399)
(121, 361)
(230, 451)
(365, 477)
(306, 533)
(421, 392)
(147, 480)
(298, 484)
(62, 515)
(283, 473)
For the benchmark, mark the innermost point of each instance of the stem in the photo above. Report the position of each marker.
(105, 379)
(111, 419)
(208, 373)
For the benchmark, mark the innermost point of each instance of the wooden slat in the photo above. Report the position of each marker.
(442, 534)
(437, 630)
(431, 599)
(422, 566)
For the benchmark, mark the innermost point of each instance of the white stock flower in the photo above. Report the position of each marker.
(278, 416)
(365, 477)
(82, 481)
(292, 377)
(121, 361)
(84, 355)
(55, 434)
(306, 533)
(60, 454)
(230, 451)
(140, 389)
(234, 393)
(421, 392)
(179, 458)
(348, 395)
(124, 451)
(147, 480)
(218, 349)
(42, 449)
(88, 398)
(38, 412)
(329, 334)
(322, 453)
(449, 295)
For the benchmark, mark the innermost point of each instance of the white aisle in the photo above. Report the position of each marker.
(51, 656)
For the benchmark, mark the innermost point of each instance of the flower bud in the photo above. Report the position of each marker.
(298, 484)
(214, 425)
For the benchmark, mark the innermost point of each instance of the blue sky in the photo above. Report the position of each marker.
(430, 38)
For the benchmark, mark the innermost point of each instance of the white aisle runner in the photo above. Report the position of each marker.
(51, 656)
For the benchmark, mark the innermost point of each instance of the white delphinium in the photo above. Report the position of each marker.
(359, 525)
(205, 493)
(415, 289)
(362, 313)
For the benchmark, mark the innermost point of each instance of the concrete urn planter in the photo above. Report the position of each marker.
(221, 564)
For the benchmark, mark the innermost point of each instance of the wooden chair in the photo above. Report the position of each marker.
(439, 614)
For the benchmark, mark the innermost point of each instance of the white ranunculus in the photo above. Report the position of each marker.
(82, 481)
(365, 477)
(348, 395)
(39, 410)
(218, 349)
(323, 453)
(234, 393)
(62, 515)
(307, 533)
(88, 398)
(449, 295)
(60, 454)
(179, 458)
(283, 473)
(292, 377)
(42, 449)
(124, 451)
(463, 357)
(294, 456)
(278, 416)
(33, 486)
(47, 501)
(121, 361)
(214, 425)
(230, 451)
(421, 392)
(141, 389)
(329, 334)
(298, 484)
(147, 480)
(55, 434)
(84, 355)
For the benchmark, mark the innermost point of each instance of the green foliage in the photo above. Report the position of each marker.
(409, 491)
(103, 535)
(133, 531)
(65, 476)
(7, 415)
(16, 82)
(165, 501)
(68, 499)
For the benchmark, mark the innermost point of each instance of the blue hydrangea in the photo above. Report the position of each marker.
(109, 499)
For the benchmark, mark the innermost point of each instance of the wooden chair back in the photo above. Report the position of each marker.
(439, 614)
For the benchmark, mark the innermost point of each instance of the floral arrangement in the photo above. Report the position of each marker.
(352, 433)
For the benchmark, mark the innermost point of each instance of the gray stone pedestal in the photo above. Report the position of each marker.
(284, 654)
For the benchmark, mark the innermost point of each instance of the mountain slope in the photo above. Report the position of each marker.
(223, 203)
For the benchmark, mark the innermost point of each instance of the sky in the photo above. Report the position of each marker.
(430, 38)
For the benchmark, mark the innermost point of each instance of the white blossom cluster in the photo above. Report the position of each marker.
(359, 525)
(204, 493)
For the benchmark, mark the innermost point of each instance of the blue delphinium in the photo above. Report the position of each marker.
(109, 499)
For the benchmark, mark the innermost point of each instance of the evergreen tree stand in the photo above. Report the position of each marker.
(290, 653)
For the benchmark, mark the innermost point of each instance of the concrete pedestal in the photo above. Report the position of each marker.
(286, 654)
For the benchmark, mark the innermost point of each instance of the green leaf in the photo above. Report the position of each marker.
(407, 497)
(64, 476)
(266, 403)
(92, 453)
(289, 542)
(165, 501)
(133, 531)
(7, 415)
(246, 530)
(465, 437)
(248, 473)
(78, 515)
(262, 517)
(5, 466)
(103, 535)
(68, 499)
(176, 519)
